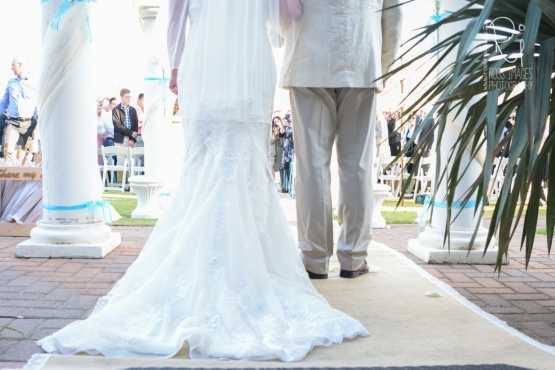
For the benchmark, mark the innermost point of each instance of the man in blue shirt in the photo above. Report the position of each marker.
(18, 105)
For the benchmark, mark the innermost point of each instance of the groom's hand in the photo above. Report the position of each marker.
(173, 81)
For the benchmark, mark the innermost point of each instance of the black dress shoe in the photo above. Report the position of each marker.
(314, 276)
(354, 274)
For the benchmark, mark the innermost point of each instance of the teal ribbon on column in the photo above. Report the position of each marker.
(471, 203)
(91, 206)
(64, 7)
(439, 16)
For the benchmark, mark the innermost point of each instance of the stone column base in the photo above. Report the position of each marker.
(453, 256)
(92, 240)
(148, 197)
(430, 248)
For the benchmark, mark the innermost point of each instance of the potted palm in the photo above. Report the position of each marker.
(499, 66)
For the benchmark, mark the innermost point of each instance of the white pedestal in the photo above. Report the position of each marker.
(380, 193)
(430, 248)
(92, 240)
(148, 197)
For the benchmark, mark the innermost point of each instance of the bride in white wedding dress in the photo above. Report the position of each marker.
(220, 273)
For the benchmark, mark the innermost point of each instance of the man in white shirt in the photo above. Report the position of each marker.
(335, 52)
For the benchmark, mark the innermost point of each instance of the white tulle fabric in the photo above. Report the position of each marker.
(220, 271)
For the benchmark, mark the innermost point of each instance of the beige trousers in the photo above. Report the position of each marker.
(11, 137)
(347, 117)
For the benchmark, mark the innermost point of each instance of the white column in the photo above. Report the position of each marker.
(148, 187)
(430, 245)
(72, 224)
(380, 192)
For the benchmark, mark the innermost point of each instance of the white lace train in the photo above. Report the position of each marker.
(220, 270)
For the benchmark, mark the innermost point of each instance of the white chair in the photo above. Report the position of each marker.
(497, 177)
(391, 176)
(423, 178)
(136, 160)
(121, 153)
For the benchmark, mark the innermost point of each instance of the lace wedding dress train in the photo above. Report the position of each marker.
(220, 271)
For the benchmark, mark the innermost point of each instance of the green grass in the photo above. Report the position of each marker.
(399, 217)
(488, 212)
(125, 203)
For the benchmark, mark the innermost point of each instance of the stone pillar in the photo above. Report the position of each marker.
(72, 224)
(148, 187)
(380, 192)
(430, 245)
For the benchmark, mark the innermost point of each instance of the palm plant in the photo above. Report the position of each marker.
(463, 87)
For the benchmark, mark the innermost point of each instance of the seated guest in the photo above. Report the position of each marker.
(125, 120)
(19, 106)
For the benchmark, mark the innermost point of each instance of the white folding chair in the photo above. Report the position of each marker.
(423, 177)
(121, 154)
(136, 160)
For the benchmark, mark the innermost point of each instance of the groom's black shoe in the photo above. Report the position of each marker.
(314, 276)
(354, 274)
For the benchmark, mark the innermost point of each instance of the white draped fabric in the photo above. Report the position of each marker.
(20, 202)
(220, 271)
(67, 117)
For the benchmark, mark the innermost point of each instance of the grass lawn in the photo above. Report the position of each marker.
(399, 217)
(125, 203)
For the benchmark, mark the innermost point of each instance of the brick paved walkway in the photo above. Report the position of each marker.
(39, 296)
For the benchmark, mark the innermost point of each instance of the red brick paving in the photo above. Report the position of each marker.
(39, 296)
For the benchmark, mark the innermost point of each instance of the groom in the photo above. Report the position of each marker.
(335, 51)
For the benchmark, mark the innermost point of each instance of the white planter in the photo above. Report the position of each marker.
(380, 193)
(148, 197)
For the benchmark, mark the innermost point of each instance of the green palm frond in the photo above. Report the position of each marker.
(459, 87)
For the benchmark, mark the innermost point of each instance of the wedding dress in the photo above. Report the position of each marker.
(220, 271)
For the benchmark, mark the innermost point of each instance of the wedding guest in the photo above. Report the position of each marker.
(99, 124)
(2, 126)
(410, 146)
(506, 136)
(19, 106)
(107, 123)
(427, 135)
(276, 154)
(394, 134)
(113, 103)
(288, 158)
(141, 111)
(125, 119)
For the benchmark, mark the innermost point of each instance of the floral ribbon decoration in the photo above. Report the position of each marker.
(63, 8)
